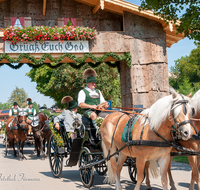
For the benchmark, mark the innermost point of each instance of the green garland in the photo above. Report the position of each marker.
(56, 135)
(78, 62)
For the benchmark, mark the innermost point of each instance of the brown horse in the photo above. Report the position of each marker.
(167, 111)
(17, 132)
(194, 161)
(41, 132)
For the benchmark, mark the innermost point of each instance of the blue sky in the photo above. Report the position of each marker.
(11, 78)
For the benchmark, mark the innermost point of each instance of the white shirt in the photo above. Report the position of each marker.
(82, 95)
(30, 110)
(15, 110)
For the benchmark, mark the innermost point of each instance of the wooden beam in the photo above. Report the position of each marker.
(44, 6)
(88, 2)
(97, 7)
(2, 0)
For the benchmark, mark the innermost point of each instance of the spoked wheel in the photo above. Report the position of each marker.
(101, 168)
(82, 131)
(87, 174)
(132, 170)
(55, 159)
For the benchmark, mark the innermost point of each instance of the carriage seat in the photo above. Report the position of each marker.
(93, 139)
(138, 110)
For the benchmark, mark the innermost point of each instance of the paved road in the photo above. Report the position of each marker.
(33, 173)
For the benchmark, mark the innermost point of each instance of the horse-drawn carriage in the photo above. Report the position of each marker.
(153, 133)
(17, 133)
(85, 148)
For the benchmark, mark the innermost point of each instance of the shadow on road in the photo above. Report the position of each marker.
(73, 176)
(178, 166)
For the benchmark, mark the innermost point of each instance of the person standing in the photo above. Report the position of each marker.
(90, 98)
(68, 116)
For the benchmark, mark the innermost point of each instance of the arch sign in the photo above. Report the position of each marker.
(47, 47)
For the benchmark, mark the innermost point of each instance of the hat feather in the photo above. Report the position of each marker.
(66, 99)
(28, 99)
(89, 72)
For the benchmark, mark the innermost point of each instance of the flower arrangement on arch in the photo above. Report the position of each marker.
(44, 33)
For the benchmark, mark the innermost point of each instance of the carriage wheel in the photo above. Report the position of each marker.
(101, 168)
(55, 159)
(132, 170)
(87, 175)
(82, 131)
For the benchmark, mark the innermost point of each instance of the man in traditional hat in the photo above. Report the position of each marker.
(68, 116)
(91, 99)
(14, 109)
(30, 111)
(13, 112)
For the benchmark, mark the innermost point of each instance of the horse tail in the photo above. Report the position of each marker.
(153, 168)
(110, 178)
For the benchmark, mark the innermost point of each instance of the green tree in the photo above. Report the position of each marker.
(186, 87)
(35, 106)
(4, 106)
(47, 113)
(45, 105)
(187, 11)
(66, 80)
(18, 95)
(186, 73)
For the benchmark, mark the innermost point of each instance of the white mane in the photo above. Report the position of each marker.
(160, 110)
(195, 101)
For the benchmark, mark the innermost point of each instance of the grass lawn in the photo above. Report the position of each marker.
(182, 159)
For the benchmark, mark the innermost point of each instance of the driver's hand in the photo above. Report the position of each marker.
(57, 126)
(93, 107)
(106, 106)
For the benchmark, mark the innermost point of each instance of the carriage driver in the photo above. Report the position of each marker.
(91, 99)
(30, 111)
(68, 116)
(13, 111)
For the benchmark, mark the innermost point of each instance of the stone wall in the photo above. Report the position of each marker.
(147, 80)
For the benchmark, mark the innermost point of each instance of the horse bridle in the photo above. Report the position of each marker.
(178, 125)
(20, 121)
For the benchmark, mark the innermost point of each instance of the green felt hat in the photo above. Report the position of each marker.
(90, 75)
(29, 102)
(91, 79)
(72, 105)
(15, 103)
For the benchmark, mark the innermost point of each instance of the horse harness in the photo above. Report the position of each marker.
(182, 150)
(176, 104)
(166, 143)
(17, 127)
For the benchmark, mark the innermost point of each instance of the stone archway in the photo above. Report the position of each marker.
(122, 30)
